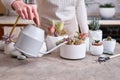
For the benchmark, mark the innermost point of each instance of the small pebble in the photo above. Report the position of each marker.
(21, 57)
(15, 53)
(40, 55)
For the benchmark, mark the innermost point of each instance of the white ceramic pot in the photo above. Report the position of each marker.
(73, 51)
(95, 35)
(9, 47)
(51, 42)
(107, 12)
(109, 46)
(96, 50)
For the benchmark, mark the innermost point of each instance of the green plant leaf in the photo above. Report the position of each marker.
(60, 26)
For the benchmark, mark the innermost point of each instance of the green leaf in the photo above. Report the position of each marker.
(53, 23)
(60, 26)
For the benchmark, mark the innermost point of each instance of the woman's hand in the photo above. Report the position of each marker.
(26, 11)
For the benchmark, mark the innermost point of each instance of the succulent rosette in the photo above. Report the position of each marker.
(57, 29)
(8, 38)
(76, 40)
(97, 43)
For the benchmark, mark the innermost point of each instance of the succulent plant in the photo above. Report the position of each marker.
(94, 25)
(97, 43)
(8, 38)
(107, 5)
(51, 29)
(59, 26)
(57, 29)
(109, 38)
(76, 40)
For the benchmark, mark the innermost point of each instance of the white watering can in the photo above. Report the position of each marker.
(31, 42)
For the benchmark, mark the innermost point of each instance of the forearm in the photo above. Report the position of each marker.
(7, 3)
(82, 16)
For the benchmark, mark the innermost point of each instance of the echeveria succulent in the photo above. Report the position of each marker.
(8, 38)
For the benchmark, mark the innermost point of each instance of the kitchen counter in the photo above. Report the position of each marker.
(53, 67)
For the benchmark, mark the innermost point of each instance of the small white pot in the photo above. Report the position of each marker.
(73, 51)
(9, 47)
(107, 12)
(95, 35)
(109, 46)
(96, 50)
(51, 42)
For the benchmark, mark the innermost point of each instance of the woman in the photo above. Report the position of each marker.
(72, 12)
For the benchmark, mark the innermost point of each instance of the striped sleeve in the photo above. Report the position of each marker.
(82, 16)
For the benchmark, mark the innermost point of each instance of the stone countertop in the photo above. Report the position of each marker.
(53, 67)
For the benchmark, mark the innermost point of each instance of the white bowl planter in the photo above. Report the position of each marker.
(73, 51)
(107, 12)
(95, 35)
(109, 46)
(51, 42)
(96, 50)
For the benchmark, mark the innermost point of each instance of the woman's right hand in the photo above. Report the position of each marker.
(26, 11)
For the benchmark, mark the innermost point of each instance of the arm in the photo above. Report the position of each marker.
(26, 11)
(82, 16)
(7, 3)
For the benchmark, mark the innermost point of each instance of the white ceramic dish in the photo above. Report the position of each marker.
(73, 51)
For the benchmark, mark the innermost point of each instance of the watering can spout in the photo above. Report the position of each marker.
(41, 52)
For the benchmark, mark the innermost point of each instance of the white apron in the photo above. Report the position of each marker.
(59, 10)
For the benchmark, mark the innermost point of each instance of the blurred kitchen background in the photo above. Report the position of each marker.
(92, 10)
(92, 6)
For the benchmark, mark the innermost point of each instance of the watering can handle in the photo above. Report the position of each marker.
(13, 28)
(54, 48)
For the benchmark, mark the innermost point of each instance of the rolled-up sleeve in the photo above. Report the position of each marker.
(82, 16)
(7, 3)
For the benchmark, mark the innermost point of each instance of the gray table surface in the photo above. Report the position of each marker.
(53, 67)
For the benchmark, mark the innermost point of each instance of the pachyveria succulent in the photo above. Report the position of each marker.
(57, 29)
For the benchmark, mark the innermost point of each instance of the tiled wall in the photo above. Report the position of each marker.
(94, 8)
